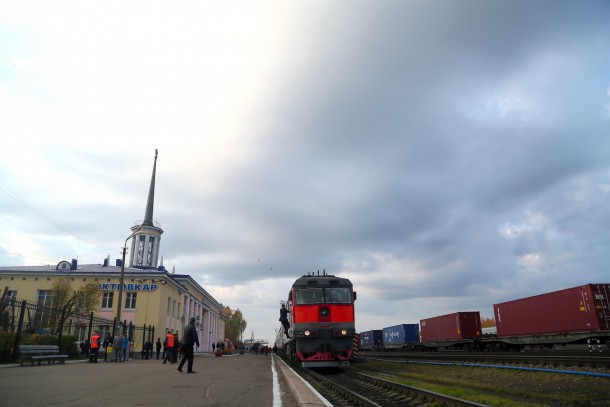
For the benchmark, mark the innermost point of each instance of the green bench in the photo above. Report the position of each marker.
(33, 353)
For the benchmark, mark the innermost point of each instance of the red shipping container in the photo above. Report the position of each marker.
(584, 308)
(459, 325)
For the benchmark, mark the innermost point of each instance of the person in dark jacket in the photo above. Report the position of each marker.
(189, 338)
(284, 319)
(158, 345)
(107, 342)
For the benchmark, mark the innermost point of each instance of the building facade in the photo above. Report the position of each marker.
(157, 298)
(150, 295)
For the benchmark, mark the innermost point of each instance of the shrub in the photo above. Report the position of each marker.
(7, 340)
(68, 346)
(38, 339)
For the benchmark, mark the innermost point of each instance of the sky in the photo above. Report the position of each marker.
(442, 155)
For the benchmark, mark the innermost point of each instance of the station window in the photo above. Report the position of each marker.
(130, 301)
(107, 299)
(11, 295)
(45, 297)
(169, 304)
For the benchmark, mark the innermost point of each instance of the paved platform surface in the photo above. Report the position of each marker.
(236, 380)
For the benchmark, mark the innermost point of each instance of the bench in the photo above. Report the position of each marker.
(41, 352)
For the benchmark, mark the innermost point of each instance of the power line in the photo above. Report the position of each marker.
(28, 257)
(24, 203)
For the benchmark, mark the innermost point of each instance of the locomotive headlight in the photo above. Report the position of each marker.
(307, 333)
(344, 332)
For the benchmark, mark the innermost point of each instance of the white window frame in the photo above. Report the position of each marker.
(107, 297)
(131, 300)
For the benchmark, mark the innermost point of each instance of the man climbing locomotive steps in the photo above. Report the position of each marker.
(317, 320)
(284, 319)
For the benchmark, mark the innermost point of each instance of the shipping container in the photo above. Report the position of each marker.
(451, 327)
(579, 309)
(370, 340)
(400, 336)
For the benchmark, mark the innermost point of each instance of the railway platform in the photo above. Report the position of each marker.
(229, 380)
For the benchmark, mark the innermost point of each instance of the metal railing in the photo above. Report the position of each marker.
(23, 322)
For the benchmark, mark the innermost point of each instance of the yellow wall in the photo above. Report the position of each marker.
(151, 306)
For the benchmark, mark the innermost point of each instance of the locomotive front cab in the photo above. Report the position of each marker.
(323, 320)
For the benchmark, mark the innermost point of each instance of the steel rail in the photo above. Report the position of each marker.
(426, 395)
(596, 360)
(354, 398)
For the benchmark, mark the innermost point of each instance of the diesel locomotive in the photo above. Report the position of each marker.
(322, 324)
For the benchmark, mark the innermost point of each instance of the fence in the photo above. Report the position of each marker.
(30, 323)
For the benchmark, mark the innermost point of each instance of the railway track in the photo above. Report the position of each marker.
(356, 389)
(366, 383)
(559, 360)
(344, 388)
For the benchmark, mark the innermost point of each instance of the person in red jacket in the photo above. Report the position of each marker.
(95, 347)
(169, 345)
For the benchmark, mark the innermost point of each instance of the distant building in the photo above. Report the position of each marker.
(151, 295)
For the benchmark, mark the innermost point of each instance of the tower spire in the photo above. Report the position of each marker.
(148, 216)
(147, 236)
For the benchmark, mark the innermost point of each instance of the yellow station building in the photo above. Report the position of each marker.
(151, 296)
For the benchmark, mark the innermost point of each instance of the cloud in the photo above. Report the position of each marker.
(444, 157)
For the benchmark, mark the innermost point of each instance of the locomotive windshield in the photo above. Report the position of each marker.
(335, 295)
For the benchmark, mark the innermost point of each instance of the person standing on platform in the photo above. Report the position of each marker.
(125, 347)
(176, 349)
(158, 345)
(189, 338)
(95, 347)
(107, 342)
(169, 348)
(117, 343)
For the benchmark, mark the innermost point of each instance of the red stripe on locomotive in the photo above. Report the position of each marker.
(316, 313)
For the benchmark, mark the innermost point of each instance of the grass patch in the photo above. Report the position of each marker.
(496, 387)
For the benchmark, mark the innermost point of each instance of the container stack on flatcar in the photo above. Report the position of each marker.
(403, 336)
(573, 318)
(371, 340)
(556, 319)
(322, 321)
(460, 330)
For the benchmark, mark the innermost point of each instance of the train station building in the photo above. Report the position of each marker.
(150, 295)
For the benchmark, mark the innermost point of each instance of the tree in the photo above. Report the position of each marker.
(235, 324)
(82, 301)
(488, 322)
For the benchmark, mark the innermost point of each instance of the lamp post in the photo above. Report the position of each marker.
(118, 312)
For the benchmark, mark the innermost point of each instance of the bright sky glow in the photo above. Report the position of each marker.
(444, 156)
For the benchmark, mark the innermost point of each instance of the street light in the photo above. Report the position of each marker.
(118, 311)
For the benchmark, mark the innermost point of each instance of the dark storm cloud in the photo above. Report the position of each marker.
(443, 155)
(363, 145)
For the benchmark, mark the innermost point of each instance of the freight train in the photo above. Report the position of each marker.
(573, 318)
(322, 323)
